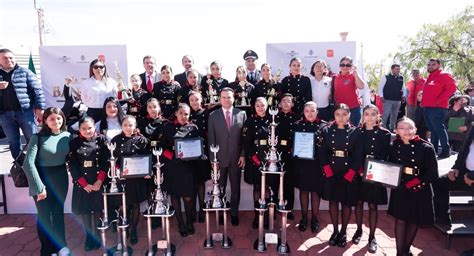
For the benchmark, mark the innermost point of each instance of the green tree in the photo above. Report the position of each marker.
(373, 74)
(451, 42)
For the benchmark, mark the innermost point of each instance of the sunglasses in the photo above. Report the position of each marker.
(97, 67)
(345, 65)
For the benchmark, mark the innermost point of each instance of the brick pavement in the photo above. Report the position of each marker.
(18, 237)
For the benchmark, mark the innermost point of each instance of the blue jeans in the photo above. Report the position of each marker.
(12, 122)
(355, 116)
(434, 118)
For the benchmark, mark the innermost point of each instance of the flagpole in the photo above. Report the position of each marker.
(40, 12)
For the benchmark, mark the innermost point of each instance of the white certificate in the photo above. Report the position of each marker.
(303, 145)
(385, 173)
(136, 166)
(188, 149)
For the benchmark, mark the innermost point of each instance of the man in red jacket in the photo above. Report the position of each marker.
(413, 87)
(439, 87)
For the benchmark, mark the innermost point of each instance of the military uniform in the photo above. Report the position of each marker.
(217, 85)
(183, 94)
(248, 88)
(341, 157)
(411, 201)
(300, 87)
(137, 108)
(136, 189)
(308, 175)
(200, 118)
(268, 90)
(179, 175)
(151, 129)
(87, 163)
(375, 144)
(284, 131)
(255, 142)
(167, 95)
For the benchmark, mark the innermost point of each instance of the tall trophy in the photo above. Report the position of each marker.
(160, 208)
(216, 203)
(211, 92)
(114, 188)
(272, 165)
(243, 95)
(121, 85)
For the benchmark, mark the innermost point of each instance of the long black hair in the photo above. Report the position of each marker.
(103, 121)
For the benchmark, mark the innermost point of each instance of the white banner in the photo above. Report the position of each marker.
(60, 62)
(279, 55)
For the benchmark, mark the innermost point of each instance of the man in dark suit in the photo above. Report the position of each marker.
(150, 76)
(225, 130)
(253, 74)
(188, 63)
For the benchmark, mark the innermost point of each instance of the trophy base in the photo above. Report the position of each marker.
(283, 248)
(155, 250)
(226, 244)
(114, 252)
(260, 247)
(208, 244)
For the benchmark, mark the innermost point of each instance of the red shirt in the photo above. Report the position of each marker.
(413, 90)
(345, 90)
(439, 87)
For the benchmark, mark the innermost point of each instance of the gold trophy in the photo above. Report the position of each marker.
(243, 95)
(121, 85)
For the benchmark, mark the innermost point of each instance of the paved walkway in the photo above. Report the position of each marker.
(18, 237)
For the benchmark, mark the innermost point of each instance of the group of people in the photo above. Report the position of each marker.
(160, 108)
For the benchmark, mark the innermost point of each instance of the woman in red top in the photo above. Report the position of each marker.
(346, 84)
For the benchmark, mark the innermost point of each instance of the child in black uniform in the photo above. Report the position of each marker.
(411, 202)
(88, 165)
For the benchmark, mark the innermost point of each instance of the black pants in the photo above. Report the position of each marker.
(441, 188)
(234, 174)
(50, 220)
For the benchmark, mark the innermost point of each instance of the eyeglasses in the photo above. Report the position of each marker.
(97, 67)
(348, 65)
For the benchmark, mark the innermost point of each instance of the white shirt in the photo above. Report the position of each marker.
(470, 158)
(320, 91)
(155, 77)
(113, 128)
(230, 113)
(94, 92)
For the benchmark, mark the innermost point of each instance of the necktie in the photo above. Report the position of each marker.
(227, 119)
(149, 85)
(251, 75)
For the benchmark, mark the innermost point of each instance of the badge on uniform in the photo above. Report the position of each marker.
(408, 170)
(168, 102)
(134, 110)
(153, 143)
(284, 142)
(263, 142)
(87, 164)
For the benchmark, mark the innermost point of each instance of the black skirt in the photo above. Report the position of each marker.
(136, 190)
(180, 178)
(203, 172)
(413, 207)
(373, 193)
(339, 190)
(85, 203)
(308, 175)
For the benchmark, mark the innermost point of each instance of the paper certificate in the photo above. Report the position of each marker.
(385, 173)
(188, 149)
(303, 146)
(136, 166)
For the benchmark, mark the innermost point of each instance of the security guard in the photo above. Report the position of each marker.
(88, 165)
(297, 85)
(167, 91)
(411, 202)
(253, 74)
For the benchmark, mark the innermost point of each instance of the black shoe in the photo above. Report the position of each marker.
(190, 228)
(341, 240)
(372, 246)
(314, 225)
(291, 216)
(333, 239)
(444, 154)
(303, 224)
(201, 216)
(357, 236)
(255, 222)
(133, 236)
(183, 231)
(234, 220)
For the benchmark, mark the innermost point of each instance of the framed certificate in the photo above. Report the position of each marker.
(303, 146)
(136, 166)
(385, 173)
(188, 149)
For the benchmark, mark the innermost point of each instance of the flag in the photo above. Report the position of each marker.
(31, 65)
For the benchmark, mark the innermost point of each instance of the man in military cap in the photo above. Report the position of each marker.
(253, 74)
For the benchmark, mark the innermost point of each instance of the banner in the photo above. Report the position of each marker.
(60, 62)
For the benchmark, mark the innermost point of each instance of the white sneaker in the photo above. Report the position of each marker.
(64, 252)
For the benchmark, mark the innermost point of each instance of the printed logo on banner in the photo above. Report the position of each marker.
(330, 53)
(83, 59)
(311, 52)
(64, 58)
(292, 53)
(311, 55)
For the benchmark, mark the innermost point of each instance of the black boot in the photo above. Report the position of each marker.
(303, 224)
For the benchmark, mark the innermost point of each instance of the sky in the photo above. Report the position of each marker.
(218, 29)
